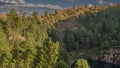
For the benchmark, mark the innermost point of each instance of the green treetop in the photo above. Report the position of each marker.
(47, 55)
(81, 63)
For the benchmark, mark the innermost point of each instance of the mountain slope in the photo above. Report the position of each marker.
(83, 32)
(96, 34)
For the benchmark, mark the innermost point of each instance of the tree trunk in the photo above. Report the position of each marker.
(9, 65)
(25, 64)
(1, 65)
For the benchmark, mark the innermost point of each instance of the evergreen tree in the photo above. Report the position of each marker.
(69, 40)
(46, 13)
(60, 64)
(47, 54)
(5, 48)
(56, 12)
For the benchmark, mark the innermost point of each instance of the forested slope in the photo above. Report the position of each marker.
(24, 42)
(55, 40)
(93, 35)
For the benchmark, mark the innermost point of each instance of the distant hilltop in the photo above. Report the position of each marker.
(71, 12)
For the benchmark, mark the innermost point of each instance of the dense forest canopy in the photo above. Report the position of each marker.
(54, 40)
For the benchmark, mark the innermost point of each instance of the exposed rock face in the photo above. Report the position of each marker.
(66, 24)
(110, 56)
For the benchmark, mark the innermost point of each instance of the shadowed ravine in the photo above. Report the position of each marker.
(98, 64)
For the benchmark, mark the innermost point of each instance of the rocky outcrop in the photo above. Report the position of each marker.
(110, 56)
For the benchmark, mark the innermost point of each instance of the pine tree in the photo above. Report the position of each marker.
(61, 64)
(56, 12)
(47, 54)
(46, 13)
(5, 55)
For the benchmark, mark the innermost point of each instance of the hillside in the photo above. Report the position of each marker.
(93, 35)
(60, 38)
(67, 13)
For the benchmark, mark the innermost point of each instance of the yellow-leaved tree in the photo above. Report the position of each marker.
(81, 63)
